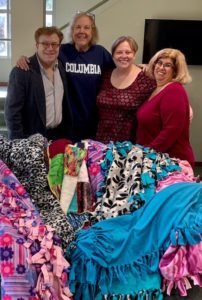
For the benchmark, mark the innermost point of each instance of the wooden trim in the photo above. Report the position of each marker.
(198, 163)
(3, 83)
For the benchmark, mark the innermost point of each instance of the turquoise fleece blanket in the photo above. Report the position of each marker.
(111, 253)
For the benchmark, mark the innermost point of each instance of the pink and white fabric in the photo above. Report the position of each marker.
(181, 265)
(32, 263)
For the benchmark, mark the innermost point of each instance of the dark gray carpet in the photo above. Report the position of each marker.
(193, 294)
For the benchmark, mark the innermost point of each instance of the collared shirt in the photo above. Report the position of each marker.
(54, 92)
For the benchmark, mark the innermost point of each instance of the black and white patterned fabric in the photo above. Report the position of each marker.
(131, 173)
(26, 159)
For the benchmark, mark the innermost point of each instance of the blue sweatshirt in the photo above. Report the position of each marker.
(84, 72)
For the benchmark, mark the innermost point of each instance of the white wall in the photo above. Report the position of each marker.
(26, 16)
(66, 9)
(5, 66)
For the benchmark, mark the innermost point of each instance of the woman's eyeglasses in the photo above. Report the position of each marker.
(164, 65)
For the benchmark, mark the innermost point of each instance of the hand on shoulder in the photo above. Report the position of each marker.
(143, 67)
(23, 62)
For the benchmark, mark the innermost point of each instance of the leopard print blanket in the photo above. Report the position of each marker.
(26, 159)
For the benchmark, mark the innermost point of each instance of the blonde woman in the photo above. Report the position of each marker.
(164, 119)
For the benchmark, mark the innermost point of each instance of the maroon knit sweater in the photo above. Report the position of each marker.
(117, 108)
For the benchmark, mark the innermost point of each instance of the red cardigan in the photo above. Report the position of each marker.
(163, 123)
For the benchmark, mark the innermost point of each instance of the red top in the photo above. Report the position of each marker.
(117, 108)
(163, 123)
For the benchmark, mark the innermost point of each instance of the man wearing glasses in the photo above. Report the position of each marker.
(85, 63)
(37, 100)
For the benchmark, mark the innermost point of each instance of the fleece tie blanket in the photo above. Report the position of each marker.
(31, 261)
(26, 159)
(115, 250)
